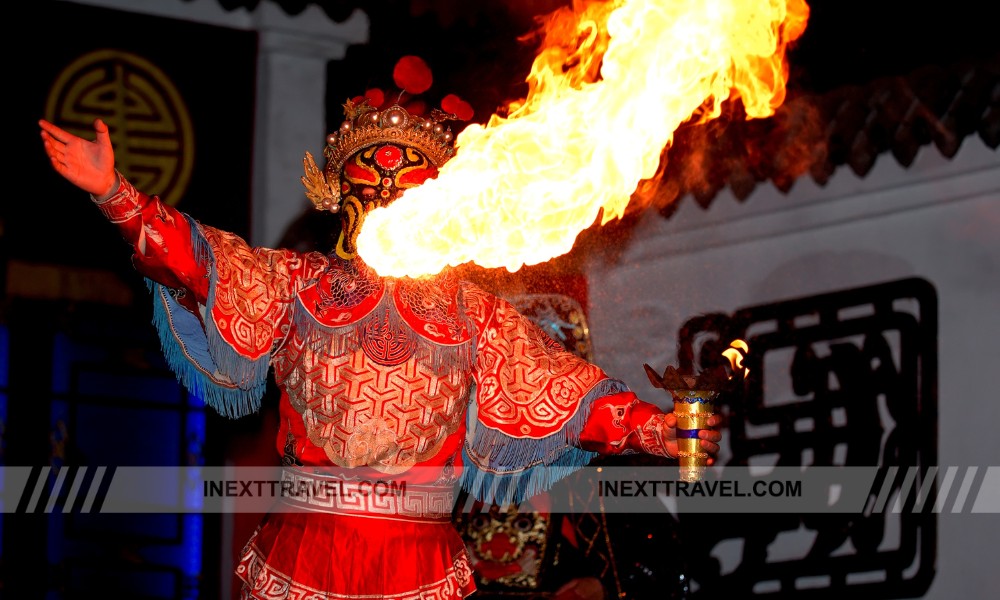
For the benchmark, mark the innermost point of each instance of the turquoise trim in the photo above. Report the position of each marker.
(501, 469)
(201, 359)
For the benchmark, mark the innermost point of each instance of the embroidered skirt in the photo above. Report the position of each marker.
(333, 549)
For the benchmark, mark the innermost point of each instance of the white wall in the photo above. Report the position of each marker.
(939, 220)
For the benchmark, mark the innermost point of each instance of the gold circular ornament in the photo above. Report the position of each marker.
(148, 120)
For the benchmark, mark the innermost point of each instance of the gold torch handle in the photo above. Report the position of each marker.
(693, 409)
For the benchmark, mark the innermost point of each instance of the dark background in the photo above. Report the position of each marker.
(85, 382)
(68, 359)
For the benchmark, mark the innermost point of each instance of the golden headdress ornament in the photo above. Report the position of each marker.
(368, 123)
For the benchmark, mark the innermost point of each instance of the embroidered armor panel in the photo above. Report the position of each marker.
(253, 289)
(378, 369)
(528, 385)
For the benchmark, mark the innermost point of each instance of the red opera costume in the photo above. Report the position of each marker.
(432, 382)
(379, 375)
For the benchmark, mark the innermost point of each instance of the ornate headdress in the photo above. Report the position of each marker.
(367, 124)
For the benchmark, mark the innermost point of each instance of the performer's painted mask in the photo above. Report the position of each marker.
(374, 178)
(373, 158)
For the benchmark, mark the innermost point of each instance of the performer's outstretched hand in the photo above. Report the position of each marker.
(87, 165)
(709, 438)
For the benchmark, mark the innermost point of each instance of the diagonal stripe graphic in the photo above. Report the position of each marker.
(988, 497)
(904, 489)
(26, 489)
(885, 490)
(963, 491)
(56, 488)
(95, 484)
(930, 477)
(74, 489)
(102, 489)
(942, 497)
(43, 479)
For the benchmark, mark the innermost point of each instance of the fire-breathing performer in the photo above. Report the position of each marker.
(379, 376)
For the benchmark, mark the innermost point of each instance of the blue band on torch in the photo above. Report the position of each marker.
(687, 433)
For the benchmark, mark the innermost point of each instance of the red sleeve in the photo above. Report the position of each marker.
(539, 411)
(220, 307)
(160, 237)
(623, 424)
(247, 290)
(527, 385)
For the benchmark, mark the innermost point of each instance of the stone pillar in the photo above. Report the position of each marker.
(291, 108)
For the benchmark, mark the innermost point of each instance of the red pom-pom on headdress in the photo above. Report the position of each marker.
(412, 75)
(452, 104)
(375, 97)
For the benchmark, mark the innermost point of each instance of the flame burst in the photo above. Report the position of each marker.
(521, 188)
(735, 353)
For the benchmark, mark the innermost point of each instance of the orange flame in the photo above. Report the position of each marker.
(735, 353)
(521, 188)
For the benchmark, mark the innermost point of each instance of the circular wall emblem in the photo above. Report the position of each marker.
(148, 121)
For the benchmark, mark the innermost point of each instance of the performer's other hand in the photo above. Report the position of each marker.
(709, 437)
(87, 165)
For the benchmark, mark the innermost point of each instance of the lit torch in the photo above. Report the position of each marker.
(610, 85)
(694, 404)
